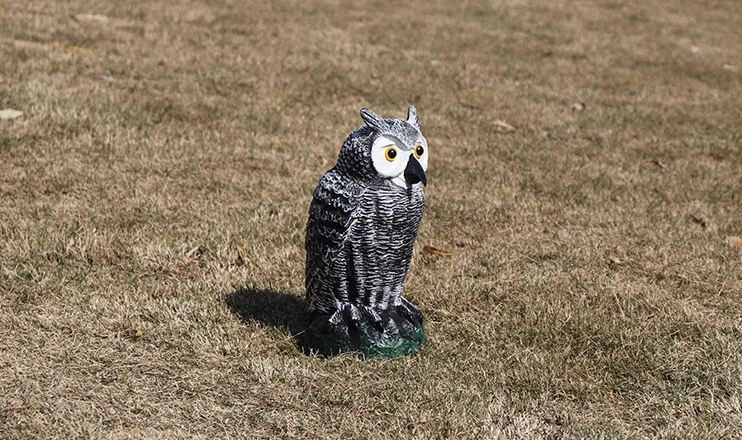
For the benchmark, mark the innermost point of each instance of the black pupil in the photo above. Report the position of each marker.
(419, 150)
(392, 153)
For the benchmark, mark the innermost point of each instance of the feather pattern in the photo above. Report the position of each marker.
(361, 243)
(362, 227)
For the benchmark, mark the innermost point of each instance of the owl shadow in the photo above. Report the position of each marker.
(269, 307)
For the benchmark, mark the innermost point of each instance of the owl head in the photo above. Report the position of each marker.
(392, 149)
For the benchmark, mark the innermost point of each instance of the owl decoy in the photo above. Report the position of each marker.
(363, 221)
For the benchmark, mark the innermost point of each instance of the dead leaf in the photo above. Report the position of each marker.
(504, 126)
(734, 241)
(435, 251)
(615, 260)
(698, 220)
(655, 163)
(194, 253)
(133, 333)
(70, 47)
(80, 18)
(9, 113)
(578, 106)
(717, 156)
(240, 260)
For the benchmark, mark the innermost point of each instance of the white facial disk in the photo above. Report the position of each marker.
(390, 157)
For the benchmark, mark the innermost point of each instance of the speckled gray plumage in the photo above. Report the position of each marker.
(362, 228)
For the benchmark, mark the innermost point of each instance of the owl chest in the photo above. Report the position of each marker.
(390, 218)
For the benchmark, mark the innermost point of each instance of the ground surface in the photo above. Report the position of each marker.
(154, 192)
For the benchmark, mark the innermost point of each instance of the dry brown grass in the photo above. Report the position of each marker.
(152, 225)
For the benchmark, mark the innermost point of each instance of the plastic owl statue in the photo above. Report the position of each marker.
(362, 226)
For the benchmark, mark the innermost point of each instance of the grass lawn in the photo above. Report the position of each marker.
(584, 174)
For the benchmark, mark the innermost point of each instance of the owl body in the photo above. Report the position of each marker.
(364, 246)
(363, 222)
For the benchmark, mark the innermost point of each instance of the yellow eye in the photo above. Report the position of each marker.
(391, 153)
(419, 151)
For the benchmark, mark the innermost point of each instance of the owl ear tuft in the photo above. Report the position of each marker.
(372, 119)
(412, 117)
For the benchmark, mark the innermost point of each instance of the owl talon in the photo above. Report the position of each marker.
(360, 329)
(410, 312)
(374, 318)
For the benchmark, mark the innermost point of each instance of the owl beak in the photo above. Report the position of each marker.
(414, 172)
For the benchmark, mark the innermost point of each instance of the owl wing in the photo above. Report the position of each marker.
(334, 208)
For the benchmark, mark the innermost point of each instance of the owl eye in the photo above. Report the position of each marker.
(391, 153)
(419, 151)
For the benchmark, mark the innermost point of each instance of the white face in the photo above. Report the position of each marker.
(390, 157)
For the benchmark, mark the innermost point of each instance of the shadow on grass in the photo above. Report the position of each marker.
(267, 306)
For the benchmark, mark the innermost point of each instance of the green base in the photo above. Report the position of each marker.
(337, 333)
